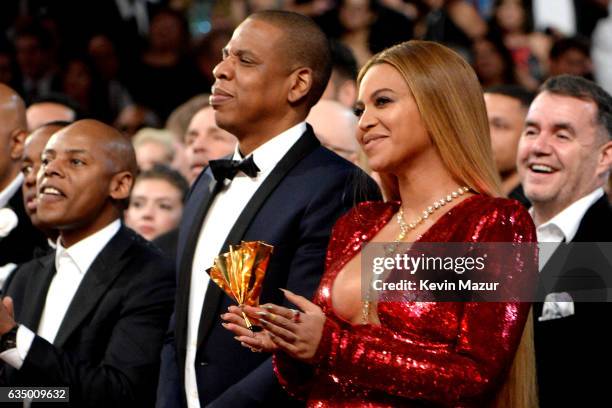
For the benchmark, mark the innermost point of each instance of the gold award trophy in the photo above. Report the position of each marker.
(240, 273)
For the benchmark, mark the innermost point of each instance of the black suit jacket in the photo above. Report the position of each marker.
(572, 351)
(18, 246)
(167, 243)
(294, 210)
(107, 348)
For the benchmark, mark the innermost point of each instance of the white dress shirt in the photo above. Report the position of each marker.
(10, 190)
(71, 265)
(564, 225)
(220, 218)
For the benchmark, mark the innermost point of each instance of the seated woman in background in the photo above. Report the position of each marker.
(156, 202)
(423, 126)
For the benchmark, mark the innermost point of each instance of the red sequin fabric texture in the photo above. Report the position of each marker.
(423, 353)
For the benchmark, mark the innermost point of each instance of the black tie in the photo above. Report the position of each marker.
(227, 169)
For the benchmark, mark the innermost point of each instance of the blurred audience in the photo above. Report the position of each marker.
(335, 126)
(206, 141)
(512, 20)
(602, 51)
(164, 75)
(493, 62)
(455, 23)
(506, 108)
(34, 56)
(571, 56)
(106, 64)
(156, 201)
(50, 109)
(366, 27)
(153, 146)
(569, 17)
(9, 72)
(342, 86)
(135, 117)
(177, 124)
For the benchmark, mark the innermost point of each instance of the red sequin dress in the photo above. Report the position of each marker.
(423, 353)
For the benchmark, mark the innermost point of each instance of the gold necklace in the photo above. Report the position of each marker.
(404, 229)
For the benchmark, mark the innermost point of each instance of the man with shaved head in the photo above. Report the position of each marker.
(91, 316)
(18, 237)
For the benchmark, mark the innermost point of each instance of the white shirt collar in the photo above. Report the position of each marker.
(10, 190)
(84, 252)
(267, 156)
(568, 220)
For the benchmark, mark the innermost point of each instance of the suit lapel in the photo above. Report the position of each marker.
(204, 201)
(596, 223)
(36, 293)
(304, 146)
(101, 274)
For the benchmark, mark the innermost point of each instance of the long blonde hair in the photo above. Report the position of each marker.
(451, 104)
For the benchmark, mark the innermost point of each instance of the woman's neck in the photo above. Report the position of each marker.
(419, 188)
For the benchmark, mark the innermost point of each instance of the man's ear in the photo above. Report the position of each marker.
(17, 143)
(605, 158)
(121, 185)
(301, 82)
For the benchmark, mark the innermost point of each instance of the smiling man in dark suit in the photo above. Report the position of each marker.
(90, 316)
(564, 160)
(287, 191)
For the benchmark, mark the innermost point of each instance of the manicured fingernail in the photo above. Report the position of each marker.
(263, 314)
(267, 307)
(243, 344)
(224, 324)
(264, 322)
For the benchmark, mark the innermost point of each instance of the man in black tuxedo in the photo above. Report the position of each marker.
(18, 237)
(288, 192)
(92, 315)
(564, 160)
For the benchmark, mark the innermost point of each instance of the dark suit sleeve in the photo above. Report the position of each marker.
(333, 199)
(169, 389)
(127, 374)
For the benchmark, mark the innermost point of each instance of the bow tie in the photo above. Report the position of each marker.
(227, 169)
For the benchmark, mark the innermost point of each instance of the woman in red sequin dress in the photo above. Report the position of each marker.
(423, 126)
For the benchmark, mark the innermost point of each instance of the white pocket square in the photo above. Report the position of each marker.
(556, 306)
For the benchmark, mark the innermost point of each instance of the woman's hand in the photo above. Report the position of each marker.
(296, 332)
(256, 341)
